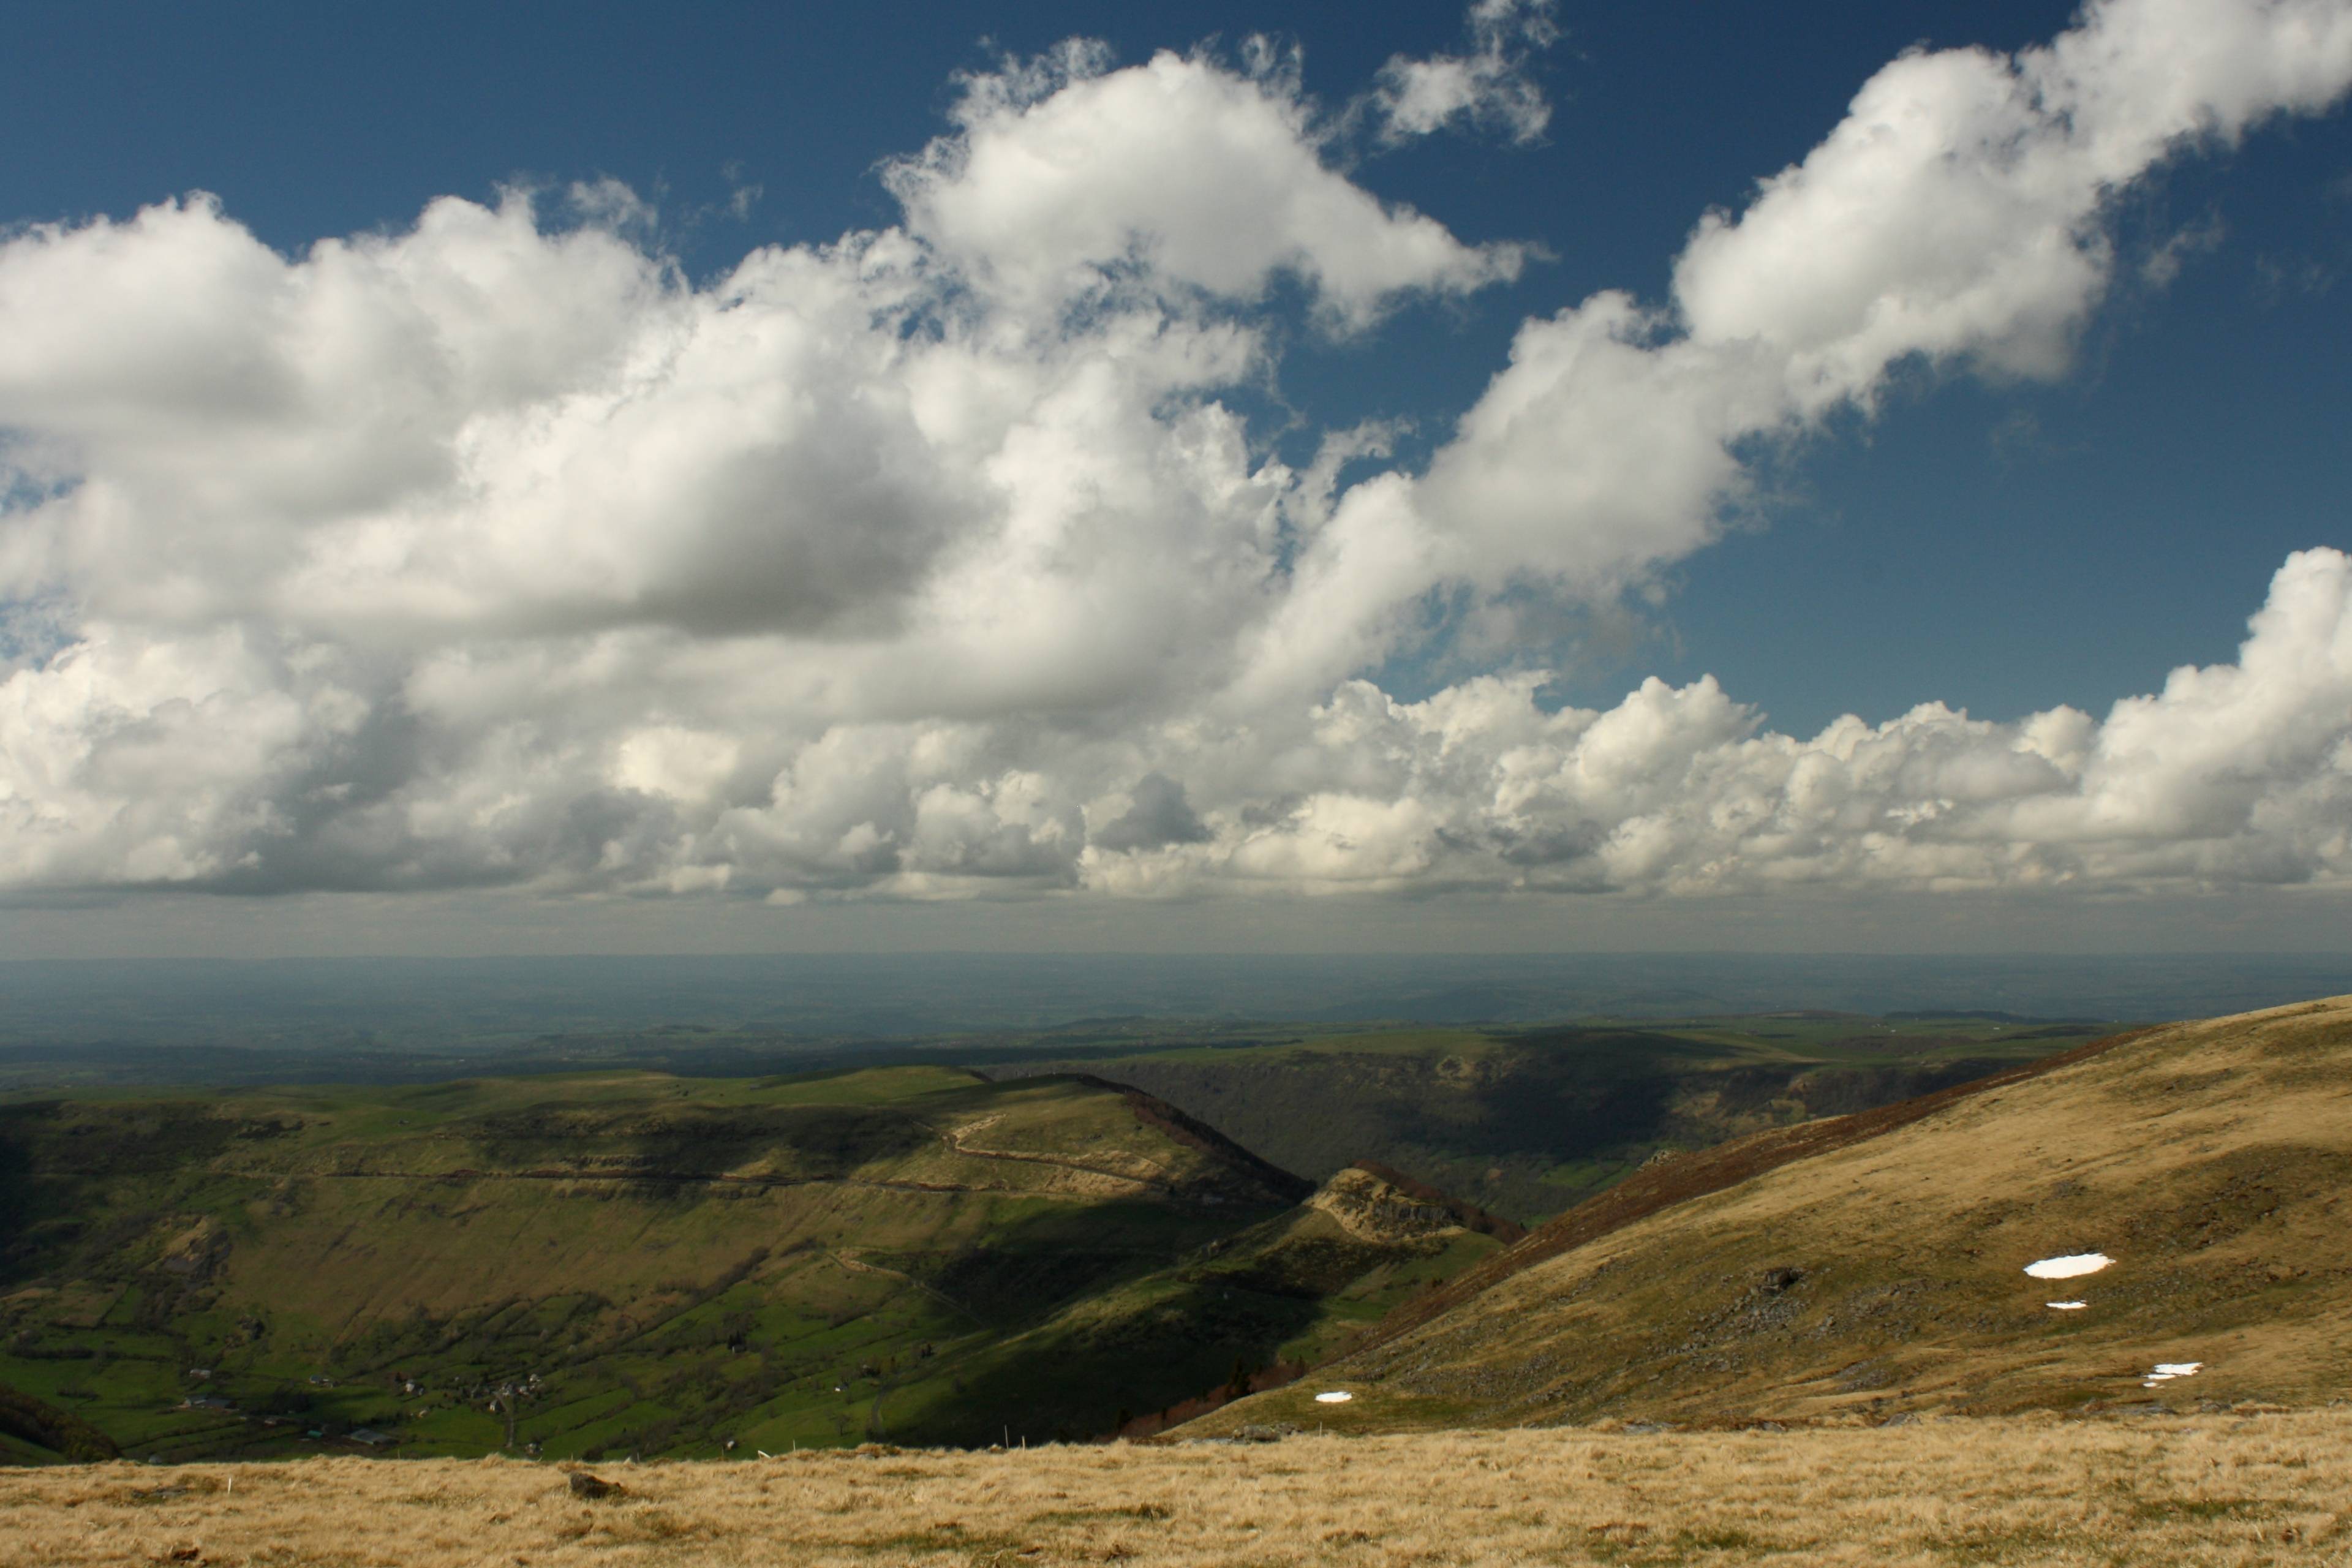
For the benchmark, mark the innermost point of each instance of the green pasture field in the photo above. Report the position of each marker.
(612, 1262)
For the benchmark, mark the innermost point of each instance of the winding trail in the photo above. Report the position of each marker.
(954, 1137)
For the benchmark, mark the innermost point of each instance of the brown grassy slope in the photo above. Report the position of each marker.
(2233, 1491)
(1681, 1178)
(2209, 1159)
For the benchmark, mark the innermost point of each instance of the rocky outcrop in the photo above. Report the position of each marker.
(1372, 1209)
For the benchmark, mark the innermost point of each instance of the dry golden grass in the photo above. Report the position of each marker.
(2213, 1161)
(2229, 1488)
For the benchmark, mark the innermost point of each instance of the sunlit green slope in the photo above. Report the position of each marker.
(630, 1262)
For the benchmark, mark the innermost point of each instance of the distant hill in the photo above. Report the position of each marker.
(1530, 1122)
(602, 1264)
(1874, 1266)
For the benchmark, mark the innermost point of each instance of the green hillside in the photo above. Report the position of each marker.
(621, 1261)
(1286, 1292)
(33, 1431)
(626, 1262)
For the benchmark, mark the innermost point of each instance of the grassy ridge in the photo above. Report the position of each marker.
(1881, 1274)
(1530, 1122)
(626, 1262)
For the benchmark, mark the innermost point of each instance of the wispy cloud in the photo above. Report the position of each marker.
(1491, 86)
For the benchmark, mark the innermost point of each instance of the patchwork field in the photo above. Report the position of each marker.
(629, 1263)
(2241, 1488)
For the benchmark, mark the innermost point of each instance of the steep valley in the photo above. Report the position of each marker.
(1530, 1122)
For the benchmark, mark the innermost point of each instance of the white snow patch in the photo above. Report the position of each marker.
(2178, 1368)
(2069, 1266)
(2065, 1306)
(1334, 1397)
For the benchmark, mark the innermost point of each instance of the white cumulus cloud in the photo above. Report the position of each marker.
(1066, 182)
(939, 561)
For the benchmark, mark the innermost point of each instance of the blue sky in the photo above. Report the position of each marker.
(2001, 551)
(1945, 529)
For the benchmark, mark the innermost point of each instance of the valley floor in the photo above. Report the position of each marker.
(2238, 1488)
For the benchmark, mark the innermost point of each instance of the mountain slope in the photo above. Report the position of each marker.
(31, 1430)
(611, 1261)
(1530, 1122)
(1257, 1307)
(626, 1262)
(1880, 1271)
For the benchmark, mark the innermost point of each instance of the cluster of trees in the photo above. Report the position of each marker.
(36, 1421)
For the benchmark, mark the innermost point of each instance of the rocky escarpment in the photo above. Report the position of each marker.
(1375, 1204)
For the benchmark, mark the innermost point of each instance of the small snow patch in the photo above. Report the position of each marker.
(2065, 1306)
(2070, 1267)
(1334, 1397)
(2165, 1370)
